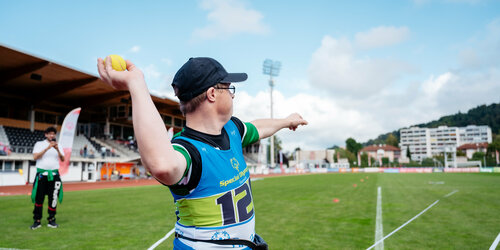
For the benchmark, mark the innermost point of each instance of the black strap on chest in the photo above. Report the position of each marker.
(261, 245)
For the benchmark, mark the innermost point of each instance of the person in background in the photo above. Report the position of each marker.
(85, 151)
(47, 179)
(103, 152)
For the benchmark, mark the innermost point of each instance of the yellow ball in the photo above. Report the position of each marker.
(117, 63)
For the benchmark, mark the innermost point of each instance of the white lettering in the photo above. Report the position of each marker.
(57, 186)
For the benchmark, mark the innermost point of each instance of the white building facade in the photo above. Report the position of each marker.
(475, 134)
(417, 140)
(427, 142)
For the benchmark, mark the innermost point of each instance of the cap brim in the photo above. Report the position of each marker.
(235, 77)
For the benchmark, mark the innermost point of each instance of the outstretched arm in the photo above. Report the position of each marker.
(157, 153)
(268, 127)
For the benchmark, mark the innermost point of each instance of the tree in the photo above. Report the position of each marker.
(385, 161)
(364, 160)
(495, 144)
(392, 140)
(478, 156)
(428, 162)
(346, 154)
(352, 146)
(408, 153)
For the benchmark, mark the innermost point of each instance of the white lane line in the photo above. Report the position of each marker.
(162, 239)
(450, 194)
(379, 226)
(406, 223)
(495, 243)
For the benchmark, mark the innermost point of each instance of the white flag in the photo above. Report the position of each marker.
(66, 137)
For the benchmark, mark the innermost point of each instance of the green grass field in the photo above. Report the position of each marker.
(293, 212)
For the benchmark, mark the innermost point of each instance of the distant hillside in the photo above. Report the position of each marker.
(480, 115)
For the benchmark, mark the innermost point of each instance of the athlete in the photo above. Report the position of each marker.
(203, 165)
(47, 180)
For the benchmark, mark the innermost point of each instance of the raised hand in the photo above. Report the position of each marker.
(295, 120)
(121, 80)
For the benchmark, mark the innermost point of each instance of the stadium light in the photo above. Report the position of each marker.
(271, 68)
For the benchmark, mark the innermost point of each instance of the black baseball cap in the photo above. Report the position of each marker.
(200, 73)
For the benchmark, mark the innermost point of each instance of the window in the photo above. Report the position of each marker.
(112, 112)
(121, 111)
(177, 122)
(128, 131)
(168, 120)
(8, 166)
(38, 117)
(20, 113)
(18, 165)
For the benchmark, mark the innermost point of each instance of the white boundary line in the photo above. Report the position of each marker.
(379, 225)
(495, 243)
(406, 223)
(450, 194)
(162, 239)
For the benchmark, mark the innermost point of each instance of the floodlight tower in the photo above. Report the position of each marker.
(271, 68)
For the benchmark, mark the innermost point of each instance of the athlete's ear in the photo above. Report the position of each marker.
(211, 94)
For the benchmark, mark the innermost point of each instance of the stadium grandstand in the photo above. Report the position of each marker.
(36, 93)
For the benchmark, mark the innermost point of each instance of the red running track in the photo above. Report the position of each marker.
(75, 186)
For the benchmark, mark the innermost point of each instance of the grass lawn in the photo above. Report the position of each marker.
(292, 212)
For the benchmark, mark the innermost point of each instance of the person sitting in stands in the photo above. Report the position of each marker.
(91, 153)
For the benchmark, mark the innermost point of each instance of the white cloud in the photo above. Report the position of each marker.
(329, 123)
(381, 36)
(432, 86)
(230, 17)
(161, 86)
(164, 94)
(465, 90)
(359, 96)
(336, 68)
(333, 120)
(135, 49)
(482, 51)
(167, 61)
(158, 82)
(151, 72)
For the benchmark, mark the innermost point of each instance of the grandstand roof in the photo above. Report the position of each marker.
(50, 85)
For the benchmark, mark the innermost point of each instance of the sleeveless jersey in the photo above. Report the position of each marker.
(221, 206)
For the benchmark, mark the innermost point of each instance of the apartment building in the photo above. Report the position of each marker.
(426, 142)
(475, 134)
(417, 140)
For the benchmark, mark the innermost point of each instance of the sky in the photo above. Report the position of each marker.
(350, 68)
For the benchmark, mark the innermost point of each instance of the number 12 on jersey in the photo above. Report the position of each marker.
(241, 198)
